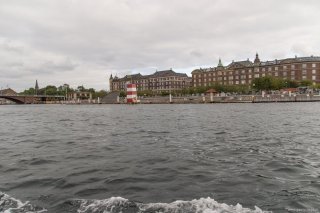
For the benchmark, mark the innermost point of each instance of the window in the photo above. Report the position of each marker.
(230, 77)
(269, 69)
(237, 82)
(284, 67)
(314, 77)
(250, 76)
(263, 75)
(304, 65)
(304, 72)
(284, 73)
(304, 77)
(314, 72)
(243, 71)
(250, 70)
(263, 69)
(256, 75)
(276, 74)
(314, 65)
(292, 72)
(243, 82)
(292, 77)
(237, 77)
(293, 66)
(276, 68)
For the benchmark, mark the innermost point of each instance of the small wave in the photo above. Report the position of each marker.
(9, 204)
(202, 205)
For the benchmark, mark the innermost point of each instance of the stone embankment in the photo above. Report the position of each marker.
(223, 99)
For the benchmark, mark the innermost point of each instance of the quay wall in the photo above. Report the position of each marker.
(225, 99)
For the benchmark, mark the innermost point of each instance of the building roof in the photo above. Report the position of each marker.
(8, 91)
(157, 74)
(236, 64)
(248, 63)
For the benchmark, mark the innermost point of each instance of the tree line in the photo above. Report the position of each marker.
(63, 90)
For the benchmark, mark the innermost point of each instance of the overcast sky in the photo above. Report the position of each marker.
(81, 42)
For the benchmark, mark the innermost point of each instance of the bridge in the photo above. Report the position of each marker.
(33, 99)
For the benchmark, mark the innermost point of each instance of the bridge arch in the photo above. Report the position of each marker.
(16, 100)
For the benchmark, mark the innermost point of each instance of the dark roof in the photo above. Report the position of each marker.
(164, 73)
(292, 60)
(8, 91)
(248, 63)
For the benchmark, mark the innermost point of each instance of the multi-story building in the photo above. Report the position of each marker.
(243, 72)
(160, 81)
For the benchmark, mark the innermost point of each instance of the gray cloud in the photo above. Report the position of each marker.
(83, 42)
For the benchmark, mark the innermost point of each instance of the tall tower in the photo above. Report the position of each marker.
(36, 88)
(220, 65)
(110, 83)
(257, 59)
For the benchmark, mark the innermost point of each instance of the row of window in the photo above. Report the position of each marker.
(230, 82)
(304, 72)
(257, 75)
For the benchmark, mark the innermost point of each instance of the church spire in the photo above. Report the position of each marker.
(36, 88)
(257, 59)
(220, 63)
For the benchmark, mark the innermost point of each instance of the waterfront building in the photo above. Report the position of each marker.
(243, 72)
(79, 95)
(158, 82)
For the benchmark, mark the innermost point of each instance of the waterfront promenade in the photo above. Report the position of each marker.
(206, 99)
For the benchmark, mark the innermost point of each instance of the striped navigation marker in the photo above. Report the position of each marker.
(131, 93)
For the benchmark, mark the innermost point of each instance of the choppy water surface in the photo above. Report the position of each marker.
(160, 158)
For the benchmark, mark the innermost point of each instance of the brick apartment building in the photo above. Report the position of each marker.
(160, 81)
(243, 72)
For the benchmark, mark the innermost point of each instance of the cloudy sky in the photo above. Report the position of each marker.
(81, 42)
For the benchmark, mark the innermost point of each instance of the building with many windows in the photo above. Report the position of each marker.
(160, 81)
(243, 72)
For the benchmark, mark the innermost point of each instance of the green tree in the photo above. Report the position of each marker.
(51, 90)
(306, 83)
(30, 91)
(291, 84)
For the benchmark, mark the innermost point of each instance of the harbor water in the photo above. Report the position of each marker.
(160, 158)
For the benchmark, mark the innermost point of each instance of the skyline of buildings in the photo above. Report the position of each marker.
(235, 73)
(243, 72)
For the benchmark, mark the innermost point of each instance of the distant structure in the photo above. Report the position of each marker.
(243, 72)
(36, 88)
(160, 81)
(7, 92)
